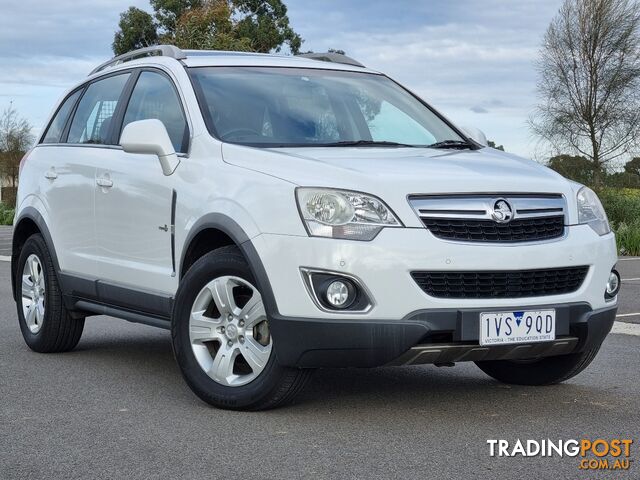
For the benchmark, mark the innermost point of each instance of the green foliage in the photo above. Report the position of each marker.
(266, 24)
(245, 25)
(137, 30)
(628, 238)
(6, 214)
(622, 204)
(629, 178)
(168, 12)
(209, 28)
(622, 180)
(493, 144)
(575, 168)
(633, 166)
(620, 197)
(623, 209)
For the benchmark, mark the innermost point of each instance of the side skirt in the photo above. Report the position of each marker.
(100, 309)
(95, 297)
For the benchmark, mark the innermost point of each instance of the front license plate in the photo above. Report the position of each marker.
(499, 328)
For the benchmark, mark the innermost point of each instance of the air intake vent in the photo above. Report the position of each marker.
(523, 230)
(501, 284)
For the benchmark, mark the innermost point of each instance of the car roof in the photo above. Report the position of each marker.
(170, 55)
(203, 59)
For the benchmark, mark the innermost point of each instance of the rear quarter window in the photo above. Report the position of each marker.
(56, 127)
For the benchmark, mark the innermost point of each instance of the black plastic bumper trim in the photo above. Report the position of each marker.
(310, 343)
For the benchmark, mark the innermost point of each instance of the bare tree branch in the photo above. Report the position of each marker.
(589, 80)
(15, 140)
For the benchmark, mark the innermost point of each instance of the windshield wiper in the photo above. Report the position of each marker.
(364, 143)
(459, 144)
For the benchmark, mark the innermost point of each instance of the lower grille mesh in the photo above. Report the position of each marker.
(520, 230)
(501, 284)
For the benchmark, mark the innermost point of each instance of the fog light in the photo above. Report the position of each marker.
(336, 291)
(613, 284)
(337, 294)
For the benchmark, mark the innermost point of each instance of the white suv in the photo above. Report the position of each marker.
(279, 214)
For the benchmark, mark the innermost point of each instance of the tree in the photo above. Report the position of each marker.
(266, 24)
(623, 180)
(633, 166)
(209, 28)
(15, 140)
(246, 25)
(575, 167)
(137, 30)
(589, 80)
(168, 12)
(493, 144)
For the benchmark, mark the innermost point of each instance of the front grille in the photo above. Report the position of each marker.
(522, 230)
(501, 284)
(480, 218)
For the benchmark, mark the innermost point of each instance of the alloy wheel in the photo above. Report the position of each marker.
(33, 293)
(229, 332)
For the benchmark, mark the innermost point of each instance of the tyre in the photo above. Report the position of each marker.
(545, 371)
(45, 323)
(221, 340)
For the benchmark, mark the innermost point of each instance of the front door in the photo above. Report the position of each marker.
(135, 201)
(133, 223)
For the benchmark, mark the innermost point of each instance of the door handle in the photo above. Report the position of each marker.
(51, 174)
(104, 182)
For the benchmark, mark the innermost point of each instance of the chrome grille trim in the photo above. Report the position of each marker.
(468, 217)
(479, 206)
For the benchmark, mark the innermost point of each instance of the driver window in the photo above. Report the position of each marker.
(154, 97)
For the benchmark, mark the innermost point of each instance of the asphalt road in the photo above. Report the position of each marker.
(6, 233)
(116, 407)
(629, 298)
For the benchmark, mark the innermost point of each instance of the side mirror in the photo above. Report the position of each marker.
(476, 134)
(150, 137)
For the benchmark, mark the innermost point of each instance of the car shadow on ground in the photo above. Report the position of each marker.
(425, 388)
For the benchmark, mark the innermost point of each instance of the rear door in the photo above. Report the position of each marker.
(75, 143)
(135, 201)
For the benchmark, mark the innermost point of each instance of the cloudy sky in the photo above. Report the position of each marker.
(471, 59)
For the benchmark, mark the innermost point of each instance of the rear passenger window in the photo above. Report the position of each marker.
(154, 96)
(56, 127)
(95, 111)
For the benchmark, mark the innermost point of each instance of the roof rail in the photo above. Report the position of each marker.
(156, 50)
(332, 57)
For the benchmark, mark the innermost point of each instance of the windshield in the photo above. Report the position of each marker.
(286, 107)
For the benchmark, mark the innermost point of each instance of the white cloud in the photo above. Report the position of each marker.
(473, 60)
(470, 59)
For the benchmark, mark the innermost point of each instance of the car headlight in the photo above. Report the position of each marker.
(343, 214)
(591, 212)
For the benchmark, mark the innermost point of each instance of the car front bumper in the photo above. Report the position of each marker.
(405, 324)
(384, 265)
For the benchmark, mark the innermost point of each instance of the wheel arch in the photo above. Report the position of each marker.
(29, 222)
(216, 230)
